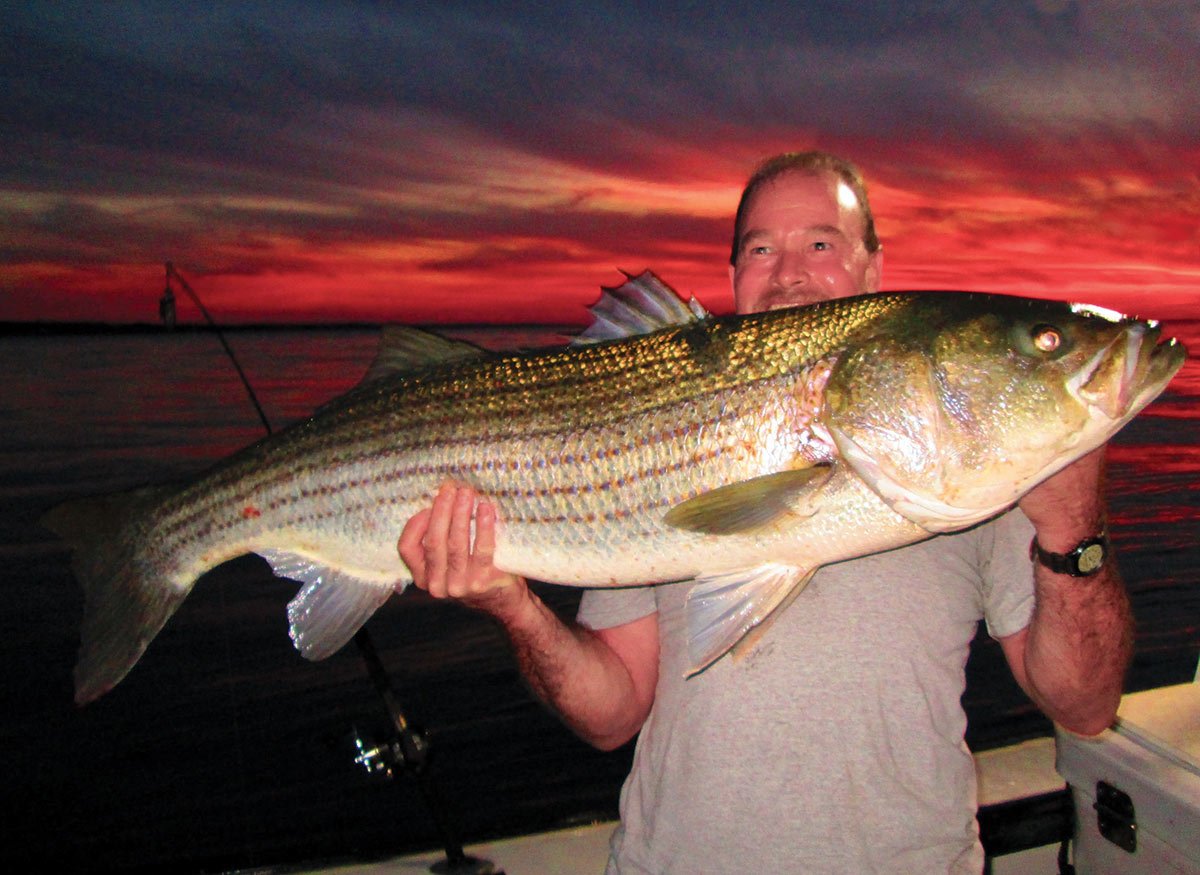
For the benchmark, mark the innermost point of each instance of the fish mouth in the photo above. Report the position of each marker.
(1123, 377)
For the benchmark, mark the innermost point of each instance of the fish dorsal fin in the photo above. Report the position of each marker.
(330, 607)
(403, 348)
(724, 609)
(641, 304)
(751, 504)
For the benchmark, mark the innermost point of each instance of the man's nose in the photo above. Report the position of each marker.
(791, 269)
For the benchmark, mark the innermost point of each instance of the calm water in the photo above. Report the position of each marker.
(224, 749)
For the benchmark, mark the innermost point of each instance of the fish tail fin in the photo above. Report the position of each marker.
(126, 599)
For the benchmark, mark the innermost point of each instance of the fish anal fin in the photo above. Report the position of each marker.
(750, 504)
(331, 606)
(724, 610)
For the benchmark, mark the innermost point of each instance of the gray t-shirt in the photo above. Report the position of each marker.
(836, 744)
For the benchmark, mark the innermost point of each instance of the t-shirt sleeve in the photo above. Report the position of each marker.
(1008, 594)
(606, 608)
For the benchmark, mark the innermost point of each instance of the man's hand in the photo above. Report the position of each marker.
(437, 547)
(1068, 506)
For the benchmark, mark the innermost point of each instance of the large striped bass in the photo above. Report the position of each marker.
(739, 452)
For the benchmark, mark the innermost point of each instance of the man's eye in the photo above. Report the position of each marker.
(760, 250)
(822, 246)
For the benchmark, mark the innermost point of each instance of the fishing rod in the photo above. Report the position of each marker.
(408, 747)
(166, 310)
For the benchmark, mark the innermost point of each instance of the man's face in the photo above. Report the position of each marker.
(802, 242)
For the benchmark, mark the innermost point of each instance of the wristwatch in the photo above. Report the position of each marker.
(1086, 559)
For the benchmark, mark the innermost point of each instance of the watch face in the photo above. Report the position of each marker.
(1091, 558)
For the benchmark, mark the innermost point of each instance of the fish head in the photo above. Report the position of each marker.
(956, 404)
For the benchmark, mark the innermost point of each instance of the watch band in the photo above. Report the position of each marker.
(1086, 559)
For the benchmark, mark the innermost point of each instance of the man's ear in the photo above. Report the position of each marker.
(873, 278)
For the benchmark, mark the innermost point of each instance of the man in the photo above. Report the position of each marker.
(836, 744)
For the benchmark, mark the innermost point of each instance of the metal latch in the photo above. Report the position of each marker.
(1115, 817)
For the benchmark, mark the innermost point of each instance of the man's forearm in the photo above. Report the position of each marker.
(575, 674)
(1079, 646)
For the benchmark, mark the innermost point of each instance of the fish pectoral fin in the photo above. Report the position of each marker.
(750, 504)
(750, 640)
(331, 606)
(724, 610)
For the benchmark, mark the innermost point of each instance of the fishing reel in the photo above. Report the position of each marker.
(408, 751)
(407, 748)
(381, 759)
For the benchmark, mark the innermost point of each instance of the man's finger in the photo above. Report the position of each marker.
(458, 534)
(412, 554)
(485, 535)
(433, 544)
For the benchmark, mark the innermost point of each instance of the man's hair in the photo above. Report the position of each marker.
(812, 163)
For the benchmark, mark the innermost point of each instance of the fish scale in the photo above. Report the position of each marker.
(739, 452)
(395, 472)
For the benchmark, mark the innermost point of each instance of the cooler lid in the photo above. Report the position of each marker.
(1165, 721)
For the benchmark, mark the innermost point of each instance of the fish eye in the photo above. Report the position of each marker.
(1046, 338)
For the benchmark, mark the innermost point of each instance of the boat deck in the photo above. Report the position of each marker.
(1025, 807)
(1006, 775)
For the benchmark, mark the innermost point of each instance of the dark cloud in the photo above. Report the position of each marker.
(277, 99)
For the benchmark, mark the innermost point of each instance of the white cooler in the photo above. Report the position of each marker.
(1137, 786)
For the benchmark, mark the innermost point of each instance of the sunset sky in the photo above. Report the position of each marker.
(497, 162)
